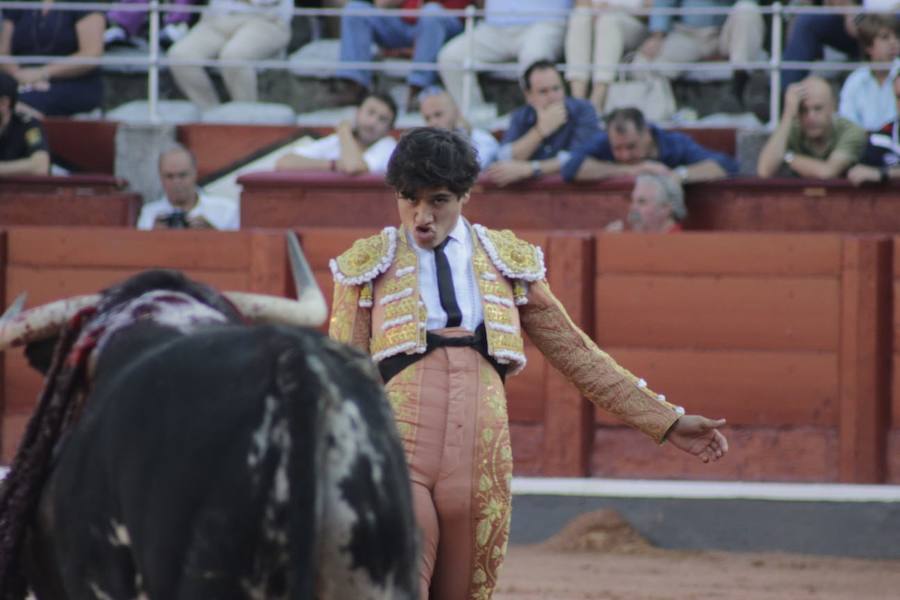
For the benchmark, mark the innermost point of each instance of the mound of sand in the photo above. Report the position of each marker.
(599, 531)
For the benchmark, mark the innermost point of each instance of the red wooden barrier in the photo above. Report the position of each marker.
(788, 336)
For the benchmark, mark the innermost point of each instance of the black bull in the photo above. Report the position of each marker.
(231, 461)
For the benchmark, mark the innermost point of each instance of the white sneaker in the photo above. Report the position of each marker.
(115, 35)
(171, 33)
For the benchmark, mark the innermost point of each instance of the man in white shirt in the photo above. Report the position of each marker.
(439, 110)
(362, 146)
(512, 30)
(184, 206)
(867, 96)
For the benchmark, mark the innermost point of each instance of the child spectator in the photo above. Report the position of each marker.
(867, 97)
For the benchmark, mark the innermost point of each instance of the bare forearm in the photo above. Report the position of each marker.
(295, 162)
(592, 169)
(67, 71)
(36, 164)
(707, 170)
(524, 147)
(807, 166)
(351, 154)
(773, 152)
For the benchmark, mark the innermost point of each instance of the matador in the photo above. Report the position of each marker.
(441, 304)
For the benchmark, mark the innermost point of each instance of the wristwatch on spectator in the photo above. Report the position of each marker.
(535, 168)
(788, 157)
(681, 172)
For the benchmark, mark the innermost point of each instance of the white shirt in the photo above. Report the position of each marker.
(486, 145)
(866, 102)
(459, 254)
(329, 148)
(222, 213)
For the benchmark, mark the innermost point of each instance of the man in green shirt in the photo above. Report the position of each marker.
(811, 140)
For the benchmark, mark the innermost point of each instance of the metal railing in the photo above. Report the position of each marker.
(156, 59)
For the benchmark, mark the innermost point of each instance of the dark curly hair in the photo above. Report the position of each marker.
(428, 157)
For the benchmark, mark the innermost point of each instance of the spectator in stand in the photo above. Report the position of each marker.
(426, 35)
(231, 30)
(124, 26)
(439, 110)
(508, 32)
(867, 97)
(694, 37)
(808, 35)
(657, 206)
(363, 146)
(810, 139)
(23, 148)
(183, 205)
(881, 158)
(630, 147)
(54, 88)
(611, 34)
(543, 132)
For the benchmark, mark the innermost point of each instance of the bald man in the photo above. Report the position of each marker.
(439, 110)
(811, 140)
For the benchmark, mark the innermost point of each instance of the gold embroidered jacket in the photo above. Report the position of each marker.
(377, 308)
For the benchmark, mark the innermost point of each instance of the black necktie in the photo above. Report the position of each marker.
(445, 286)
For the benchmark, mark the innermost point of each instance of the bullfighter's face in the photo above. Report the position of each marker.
(431, 215)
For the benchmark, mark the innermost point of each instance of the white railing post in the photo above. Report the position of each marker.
(153, 67)
(775, 65)
(468, 64)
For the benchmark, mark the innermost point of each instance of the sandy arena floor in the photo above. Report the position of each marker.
(599, 557)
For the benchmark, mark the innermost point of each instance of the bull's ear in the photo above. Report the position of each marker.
(40, 353)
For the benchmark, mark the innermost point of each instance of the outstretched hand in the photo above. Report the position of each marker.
(699, 436)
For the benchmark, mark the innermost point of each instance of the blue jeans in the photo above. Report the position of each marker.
(808, 37)
(426, 36)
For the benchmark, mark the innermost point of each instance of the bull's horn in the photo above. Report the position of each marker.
(310, 310)
(43, 321)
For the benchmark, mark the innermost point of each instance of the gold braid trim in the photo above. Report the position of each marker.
(596, 375)
(366, 259)
(350, 323)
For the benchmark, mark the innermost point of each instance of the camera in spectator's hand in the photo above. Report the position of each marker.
(176, 220)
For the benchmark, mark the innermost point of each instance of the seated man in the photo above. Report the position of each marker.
(630, 146)
(23, 149)
(881, 157)
(810, 140)
(542, 133)
(426, 35)
(439, 110)
(362, 146)
(657, 206)
(184, 206)
(521, 30)
(867, 96)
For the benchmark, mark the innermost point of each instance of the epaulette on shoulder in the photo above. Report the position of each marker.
(366, 259)
(517, 259)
